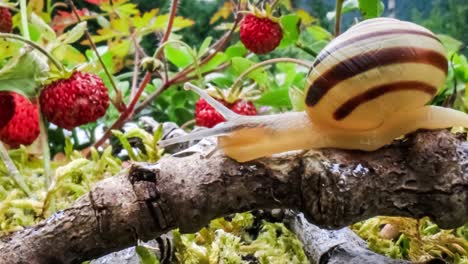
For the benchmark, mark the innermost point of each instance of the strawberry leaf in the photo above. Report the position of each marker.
(23, 74)
(291, 29)
(275, 98)
(371, 8)
(146, 256)
(179, 56)
(74, 34)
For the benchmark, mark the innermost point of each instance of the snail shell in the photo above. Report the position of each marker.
(374, 69)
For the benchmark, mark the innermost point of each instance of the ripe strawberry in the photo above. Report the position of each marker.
(75, 101)
(207, 116)
(243, 107)
(6, 24)
(260, 34)
(20, 119)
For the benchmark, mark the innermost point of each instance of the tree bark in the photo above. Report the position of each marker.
(424, 175)
(340, 246)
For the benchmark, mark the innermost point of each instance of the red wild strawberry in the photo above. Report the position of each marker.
(260, 34)
(207, 116)
(19, 119)
(75, 101)
(6, 24)
(243, 107)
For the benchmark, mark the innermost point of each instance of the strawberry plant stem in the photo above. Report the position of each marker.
(24, 19)
(119, 104)
(339, 8)
(236, 86)
(14, 172)
(45, 148)
(35, 46)
(306, 49)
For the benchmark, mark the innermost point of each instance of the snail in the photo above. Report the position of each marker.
(366, 88)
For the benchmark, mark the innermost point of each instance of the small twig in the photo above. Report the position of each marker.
(136, 69)
(14, 172)
(119, 105)
(170, 23)
(339, 8)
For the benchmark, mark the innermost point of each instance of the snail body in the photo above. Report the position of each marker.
(367, 87)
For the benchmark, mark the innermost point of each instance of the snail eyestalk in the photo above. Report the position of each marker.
(223, 110)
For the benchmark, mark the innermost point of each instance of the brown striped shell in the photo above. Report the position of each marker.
(376, 68)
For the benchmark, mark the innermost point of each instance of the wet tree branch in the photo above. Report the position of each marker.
(424, 175)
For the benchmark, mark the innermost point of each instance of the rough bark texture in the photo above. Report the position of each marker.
(341, 246)
(425, 175)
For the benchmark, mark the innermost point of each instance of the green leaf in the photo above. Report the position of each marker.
(348, 6)
(242, 64)
(451, 44)
(74, 34)
(275, 98)
(9, 48)
(42, 28)
(237, 50)
(371, 8)
(319, 33)
(204, 46)
(217, 60)
(23, 74)
(146, 256)
(297, 99)
(68, 55)
(179, 56)
(291, 29)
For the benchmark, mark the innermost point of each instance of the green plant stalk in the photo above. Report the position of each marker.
(35, 46)
(306, 49)
(236, 87)
(14, 172)
(24, 19)
(120, 105)
(45, 149)
(339, 8)
(194, 56)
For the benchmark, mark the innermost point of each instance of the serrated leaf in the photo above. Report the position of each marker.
(275, 98)
(179, 56)
(146, 256)
(224, 12)
(291, 29)
(371, 8)
(179, 23)
(74, 34)
(23, 74)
